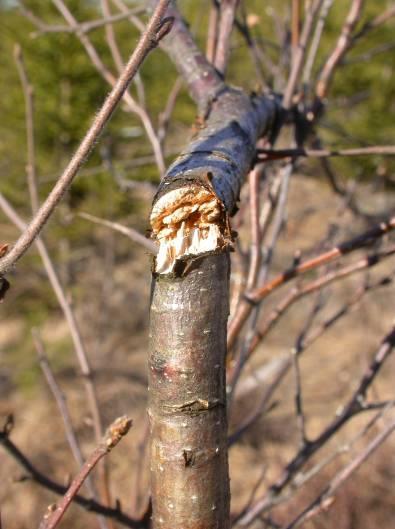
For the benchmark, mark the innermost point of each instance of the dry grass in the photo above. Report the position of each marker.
(112, 307)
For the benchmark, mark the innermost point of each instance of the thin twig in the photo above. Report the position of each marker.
(212, 32)
(110, 37)
(156, 30)
(227, 16)
(28, 94)
(308, 68)
(354, 406)
(325, 498)
(69, 314)
(255, 244)
(42, 480)
(111, 80)
(165, 115)
(295, 26)
(118, 429)
(84, 27)
(299, 57)
(255, 296)
(379, 20)
(133, 234)
(61, 402)
(342, 46)
(299, 292)
(269, 154)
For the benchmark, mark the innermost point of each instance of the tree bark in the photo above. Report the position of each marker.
(190, 294)
(187, 409)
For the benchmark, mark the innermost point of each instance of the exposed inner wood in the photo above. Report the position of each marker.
(187, 222)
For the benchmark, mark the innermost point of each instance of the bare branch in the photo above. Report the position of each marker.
(133, 234)
(295, 26)
(327, 4)
(212, 33)
(325, 499)
(84, 27)
(342, 46)
(227, 16)
(300, 54)
(42, 480)
(354, 406)
(256, 295)
(147, 43)
(268, 154)
(29, 105)
(380, 19)
(111, 80)
(118, 429)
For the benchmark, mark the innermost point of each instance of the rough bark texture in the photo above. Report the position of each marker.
(187, 408)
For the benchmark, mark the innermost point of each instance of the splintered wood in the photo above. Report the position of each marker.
(186, 222)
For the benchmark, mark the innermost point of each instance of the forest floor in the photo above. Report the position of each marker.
(111, 299)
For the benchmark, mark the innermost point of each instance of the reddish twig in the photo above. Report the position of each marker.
(42, 480)
(295, 26)
(256, 295)
(156, 30)
(118, 429)
(299, 292)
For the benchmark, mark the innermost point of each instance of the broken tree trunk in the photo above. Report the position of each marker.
(190, 296)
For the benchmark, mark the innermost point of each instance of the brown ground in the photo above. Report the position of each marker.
(112, 307)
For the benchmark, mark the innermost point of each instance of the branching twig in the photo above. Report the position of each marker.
(256, 295)
(84, 27)
(354, 406)
(155, 31)
(325, 498)
(41, 479)
(114, 434)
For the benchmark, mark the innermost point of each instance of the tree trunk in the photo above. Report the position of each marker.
(187, 409)
(190, 294)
